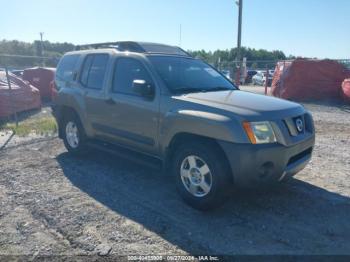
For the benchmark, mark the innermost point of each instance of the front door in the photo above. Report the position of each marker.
(133, 117)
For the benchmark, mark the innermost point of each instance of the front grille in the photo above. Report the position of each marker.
(300, 156)
(292, 128)
(309, 127)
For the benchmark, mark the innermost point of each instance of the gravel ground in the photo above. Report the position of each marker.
(54, 204)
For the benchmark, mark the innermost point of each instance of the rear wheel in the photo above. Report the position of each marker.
(73, 134)
(202, 175)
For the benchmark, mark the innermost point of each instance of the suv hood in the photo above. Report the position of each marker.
(244, 103)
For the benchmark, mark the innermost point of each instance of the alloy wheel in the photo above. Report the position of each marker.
(196, 176)
(72, 135)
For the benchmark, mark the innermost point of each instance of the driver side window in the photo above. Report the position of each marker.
(125, 72)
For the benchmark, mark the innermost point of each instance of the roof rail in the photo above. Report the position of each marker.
(121, 46)
(95, 46)
(137, 47)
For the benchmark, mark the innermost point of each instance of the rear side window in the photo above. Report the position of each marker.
(94, 71)
(66, 67)
(86, 69)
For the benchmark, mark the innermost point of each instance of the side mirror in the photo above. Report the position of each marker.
(143, 88)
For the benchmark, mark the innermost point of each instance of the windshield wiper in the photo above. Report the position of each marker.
(189, 90)
(219, 88)
(201, 90)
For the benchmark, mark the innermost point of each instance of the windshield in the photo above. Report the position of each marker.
(182, 74)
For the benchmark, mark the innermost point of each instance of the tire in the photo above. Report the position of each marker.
(74, 137)
(195, 164)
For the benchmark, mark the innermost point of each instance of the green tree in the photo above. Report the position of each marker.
(257, 58)
(51, 50)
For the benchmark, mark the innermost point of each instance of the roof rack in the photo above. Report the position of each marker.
(137, 47)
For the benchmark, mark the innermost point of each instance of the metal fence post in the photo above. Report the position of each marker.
(13, 110)
(266, 79)
(238, 76)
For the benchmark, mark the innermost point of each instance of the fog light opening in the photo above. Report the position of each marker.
(266, 170)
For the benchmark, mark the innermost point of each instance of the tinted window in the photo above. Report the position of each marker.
(183, 74)
(66, 67)
(126, 71)
(94, 71)
(86, 70)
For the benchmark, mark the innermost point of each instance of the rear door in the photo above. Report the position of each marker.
(93, 80)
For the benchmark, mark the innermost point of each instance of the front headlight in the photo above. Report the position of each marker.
(260, 132)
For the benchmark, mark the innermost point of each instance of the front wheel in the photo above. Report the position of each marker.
(202, 175)
(73, 134)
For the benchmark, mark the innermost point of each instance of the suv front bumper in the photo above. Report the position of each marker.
(254, 165)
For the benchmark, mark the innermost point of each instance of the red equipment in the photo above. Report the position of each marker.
(41, 78)
(308, 80)
(346, 90)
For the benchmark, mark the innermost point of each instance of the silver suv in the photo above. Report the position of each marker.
(156, 103)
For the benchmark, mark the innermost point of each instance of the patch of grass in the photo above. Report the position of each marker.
(39, 126)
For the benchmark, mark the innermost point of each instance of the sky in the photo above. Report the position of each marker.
(308, 28)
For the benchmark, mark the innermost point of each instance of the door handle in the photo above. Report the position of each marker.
(110, 101)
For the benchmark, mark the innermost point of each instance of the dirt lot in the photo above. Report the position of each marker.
(54, 204)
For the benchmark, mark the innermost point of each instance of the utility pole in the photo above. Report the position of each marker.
(42, 47)
(41, 43)
(239, 40)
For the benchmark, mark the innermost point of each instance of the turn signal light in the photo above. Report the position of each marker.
(248, 129)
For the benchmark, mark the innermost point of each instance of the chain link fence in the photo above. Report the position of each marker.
(20, 62)
(15, 64)
(258, 65)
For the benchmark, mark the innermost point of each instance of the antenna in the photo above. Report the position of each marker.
(180, 42)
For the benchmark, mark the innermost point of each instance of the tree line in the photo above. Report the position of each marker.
(51, 51)
(223, 59)
(256, 58)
